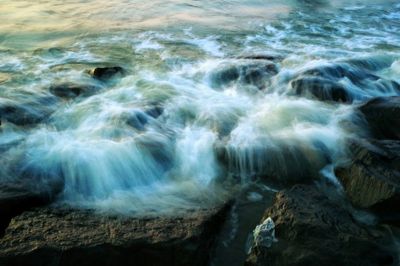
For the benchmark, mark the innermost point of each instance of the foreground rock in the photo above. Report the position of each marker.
(18, 197)
(372, 178)
(383, 117)
(311, 229)
(69, 237)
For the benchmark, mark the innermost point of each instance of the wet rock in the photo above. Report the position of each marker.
(281, 163)
(23, 112)
(383, 117)
(269, 57)
(245, 72)
(20, 196)
(343, 81)
(72, 90)
(311, 229)
(336, 71)
(72, 237)
(154, 111)
(106, 73)
(321, 88)
(138, 119)
(372, 178)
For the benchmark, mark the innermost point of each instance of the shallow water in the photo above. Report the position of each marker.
(171, 134)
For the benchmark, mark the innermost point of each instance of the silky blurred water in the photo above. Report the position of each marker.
(171, 51)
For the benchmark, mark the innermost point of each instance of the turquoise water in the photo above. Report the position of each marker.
(173, 52)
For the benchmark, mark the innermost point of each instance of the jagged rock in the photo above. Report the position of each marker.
(106, 73)
(372, 179)
(72, 90)
(312, 229)
(246, 72)
(383, 117)
(70, 237)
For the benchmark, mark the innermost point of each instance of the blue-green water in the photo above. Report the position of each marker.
(172, 51)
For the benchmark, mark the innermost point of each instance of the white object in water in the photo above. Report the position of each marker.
(264, 234)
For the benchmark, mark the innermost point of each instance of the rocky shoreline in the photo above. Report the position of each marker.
(312, 224)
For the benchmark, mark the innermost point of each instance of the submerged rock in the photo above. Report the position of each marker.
(372, 179)
(245, 72)
(321, 88)
(24, 112)
(71, 237)
(106, 73)
(314, 230)
(138, 119)
(343, 81)
(269, 57)
(72, 90)
(383, 117)
(281, 163)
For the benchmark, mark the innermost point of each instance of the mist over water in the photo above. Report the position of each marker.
(193, 119)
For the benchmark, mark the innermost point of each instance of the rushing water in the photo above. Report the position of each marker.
(174, 132)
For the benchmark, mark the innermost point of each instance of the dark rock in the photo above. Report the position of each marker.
(324, 82)
(71, 237)
(138, 119)
(106, 73)
(383, 117)
(72, 90)
(155, 111)
(23, 112)
(281, 163)
(268, 57)
(336, 71)
(246, 72)
(372, 179)
(321, 88)
(312, 229)
(20, 196)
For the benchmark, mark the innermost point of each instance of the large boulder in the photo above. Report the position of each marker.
(311, 229)
(372, 178)
(50, 236)
(383, 117)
